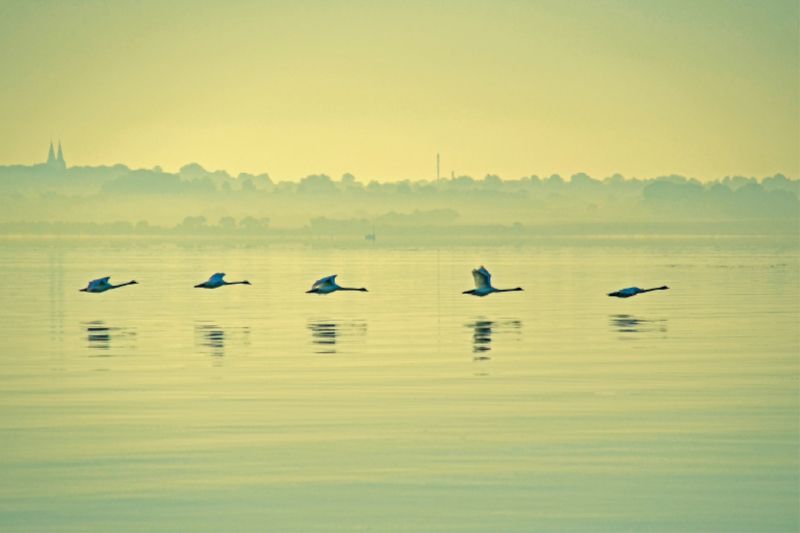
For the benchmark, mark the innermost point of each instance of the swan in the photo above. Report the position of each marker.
(102, 285)
(217, 281)
(483, 284)
(633, 291)
(328, 285)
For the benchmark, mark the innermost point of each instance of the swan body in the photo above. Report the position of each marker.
(483, 284)
(633, 291)
(216, 281)
(328, 285)
(102, 285)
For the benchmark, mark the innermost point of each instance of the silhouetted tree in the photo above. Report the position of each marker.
(252, 224)
(316, 184)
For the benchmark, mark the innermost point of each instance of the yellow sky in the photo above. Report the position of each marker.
(377, 89)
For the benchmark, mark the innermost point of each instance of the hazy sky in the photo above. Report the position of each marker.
(644, 88)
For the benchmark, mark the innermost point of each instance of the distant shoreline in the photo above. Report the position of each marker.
(602, 230)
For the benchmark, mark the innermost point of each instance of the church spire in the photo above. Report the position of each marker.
(51, 157)
(60, 161)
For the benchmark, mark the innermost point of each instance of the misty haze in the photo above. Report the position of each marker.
(335, 266)
(51, 198)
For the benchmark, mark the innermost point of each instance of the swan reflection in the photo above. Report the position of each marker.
(100, 336)
(325, 334)
(482, 336)
(213, 339)
(482, 331)
(631, 324)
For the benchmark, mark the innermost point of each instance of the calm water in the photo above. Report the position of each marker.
(411, 407)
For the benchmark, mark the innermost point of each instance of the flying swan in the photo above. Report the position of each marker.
(328, 285)
(102, 285)
(633, 291)
(217, 281)
(483, 284)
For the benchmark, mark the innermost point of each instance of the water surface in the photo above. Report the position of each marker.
(408, 408)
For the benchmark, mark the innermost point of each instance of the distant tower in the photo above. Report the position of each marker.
(437, 167)
(51, 157)
(60, 160)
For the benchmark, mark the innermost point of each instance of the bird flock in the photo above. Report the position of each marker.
(483, 285)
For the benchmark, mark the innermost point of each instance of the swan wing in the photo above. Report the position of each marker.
(482, 277)
(216, 278)
(330, 280)
(99, 282)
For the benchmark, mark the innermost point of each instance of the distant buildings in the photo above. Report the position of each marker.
(56, 162)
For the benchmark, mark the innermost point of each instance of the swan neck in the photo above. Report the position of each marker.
(655, 289)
